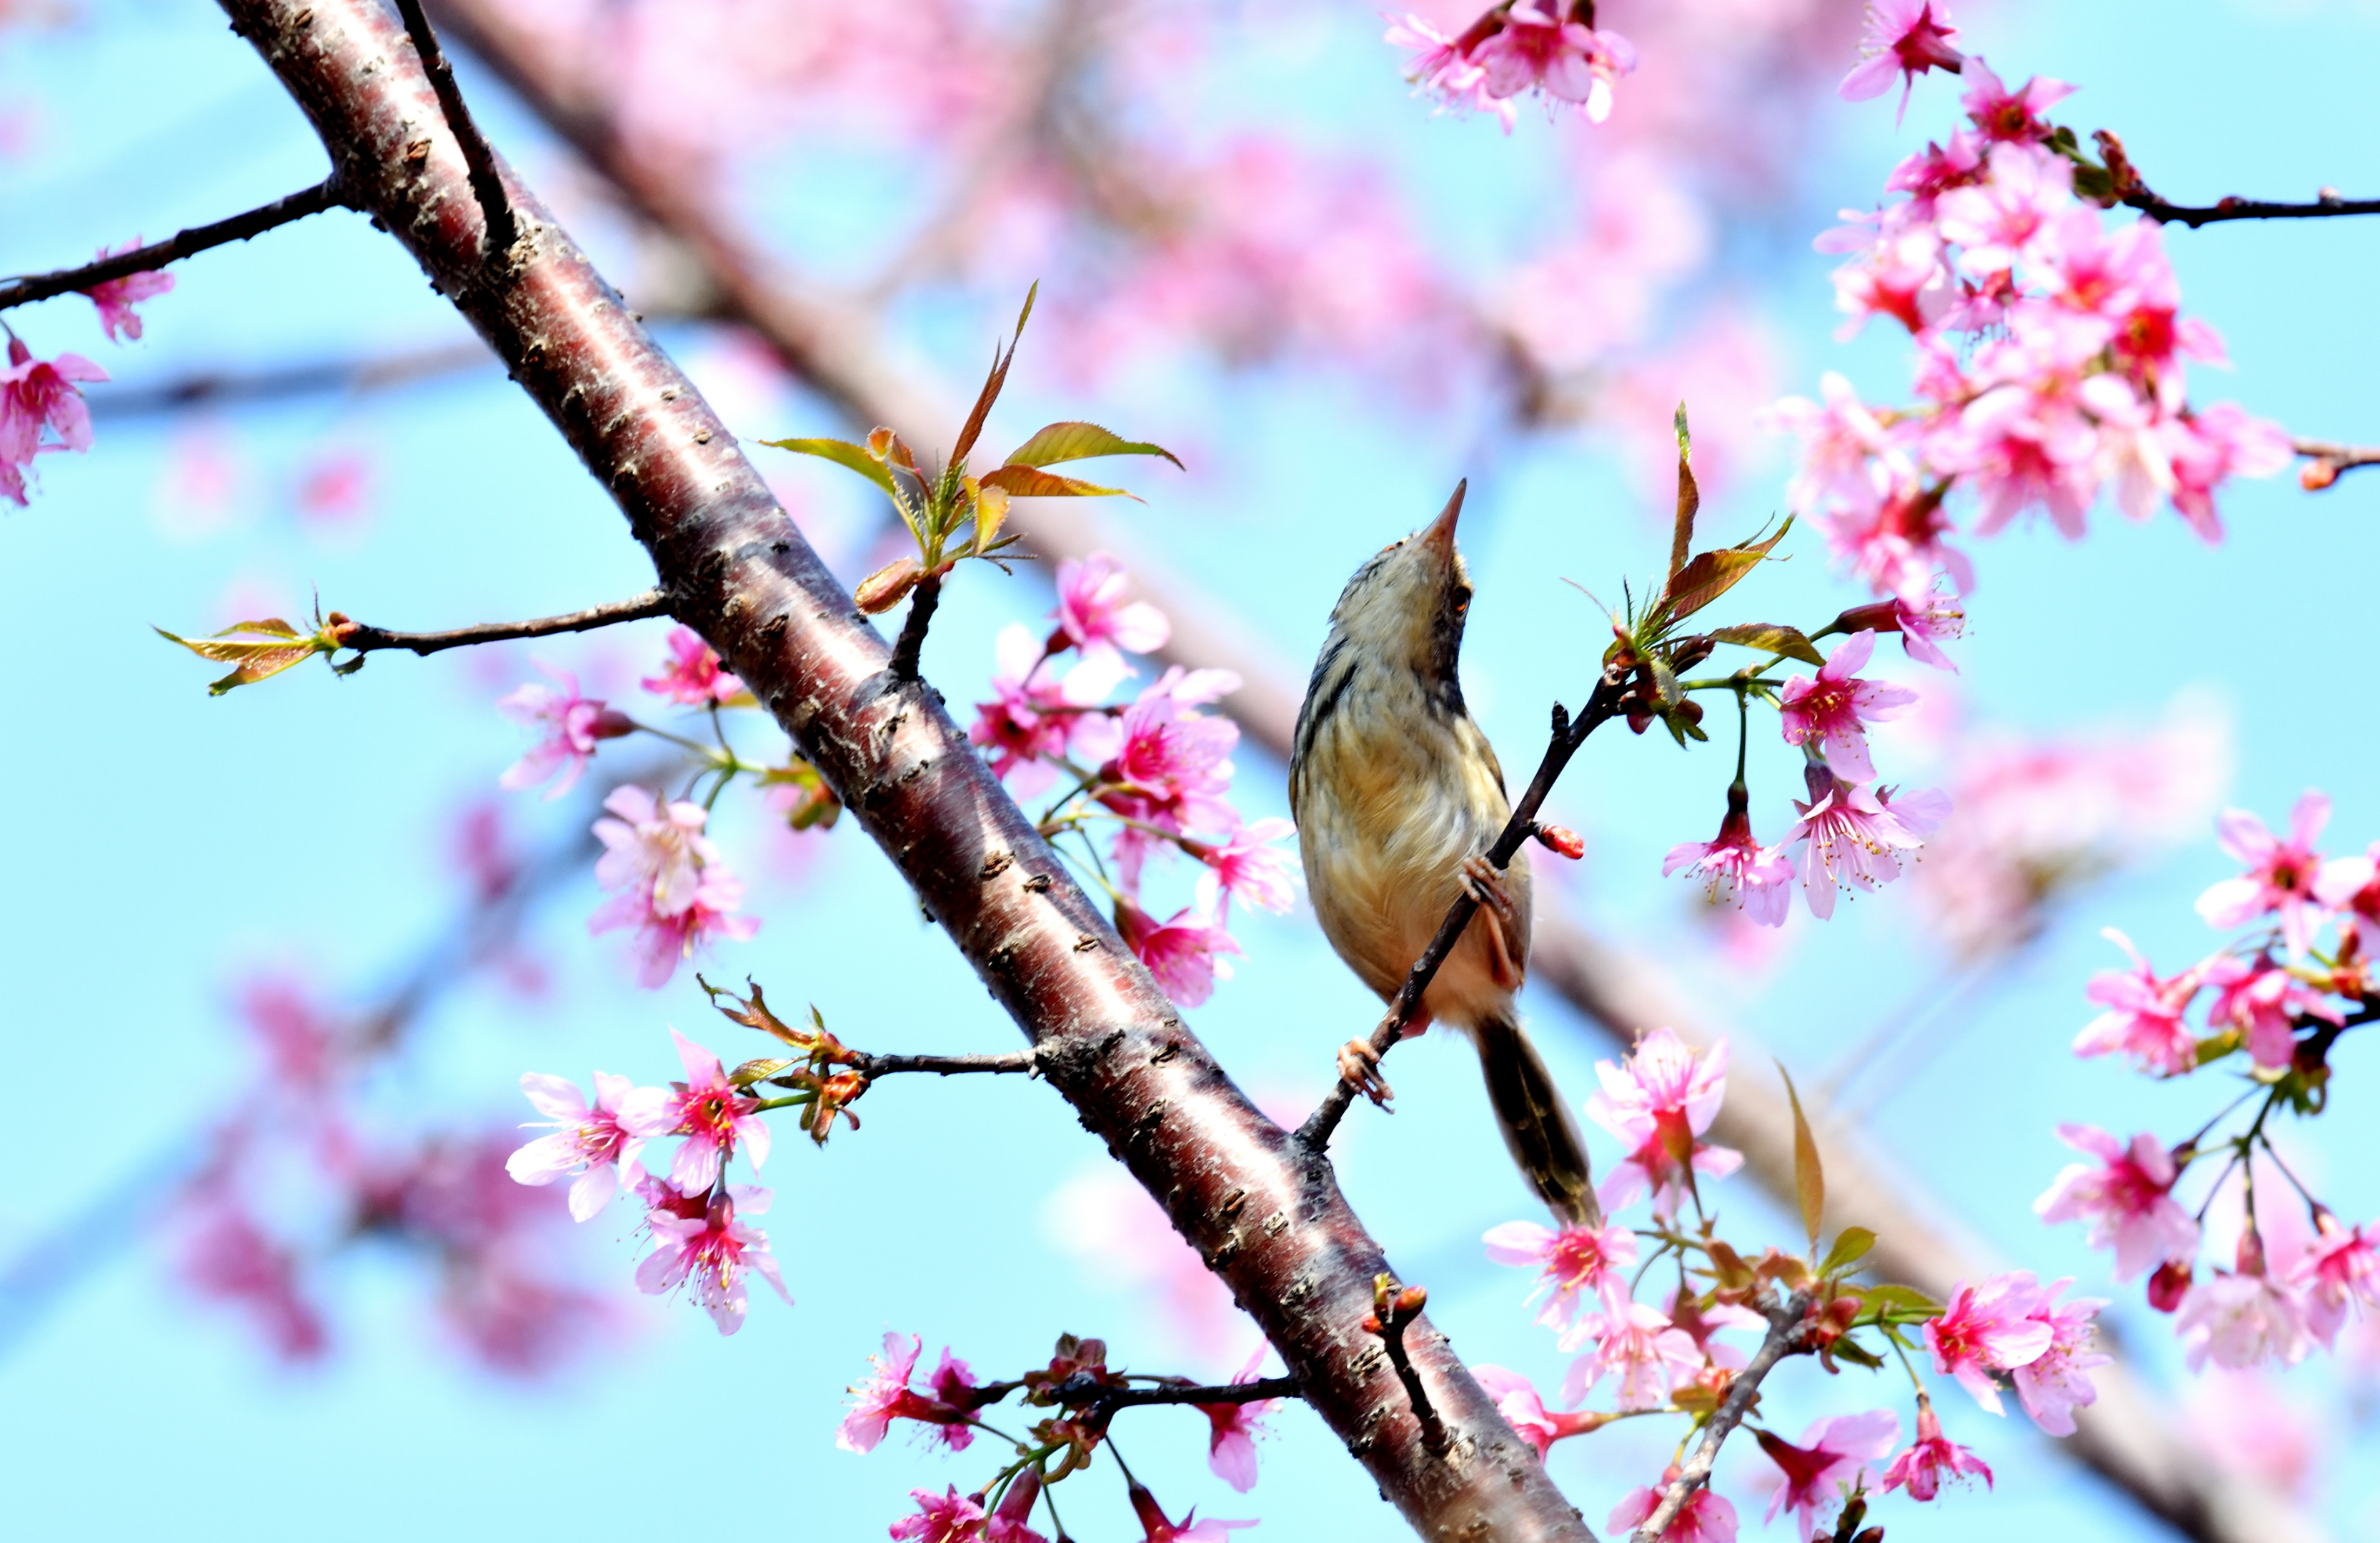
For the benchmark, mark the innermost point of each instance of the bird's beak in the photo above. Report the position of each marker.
(1438, 534)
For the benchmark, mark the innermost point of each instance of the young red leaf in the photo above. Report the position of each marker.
(888, 586)
(1775, 637)
(1712, 574)
(842, 453)
(1080, 442)
(1024, 482)
(1690, 500)
(992, 383)
(1809, 1174)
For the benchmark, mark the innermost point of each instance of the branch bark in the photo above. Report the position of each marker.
(367, 638)
(2330, 205)
(1266, 1215)
(197, 238)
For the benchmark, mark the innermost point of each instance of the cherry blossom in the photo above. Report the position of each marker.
(2282, 872)
(707, 1109)
(2055, 1382)
(1170, 769)
(948, 1517)
(1923, 1465)
(1233, 1429)
(714, 1250)
(2010, 116)
(887, 1396)
(589, 1142)
(1830, 1454)
(1569, 60)
(1006, 1523)
(1648, 1352)
(117, 298)
(1734, 866)
(1247, 867)
(2339, 1270)
(2351, 886)
(2239, 1319)
(1706, 1517)
(2145, 1014)
(1518, 1401)
(1905, 38)
(1658, 1103)
(1034, 717)
(1833, 711)
(2126, 1200)
(1580, 1267)
(572, 725)
(37, 394)
(1988, 1327)
(1094, 616)
(2208, 446)
(2265, 1002)
(1155, 1528)
(1183, 951)
(672, 889)
(691, 675)
(1852, 835)
(1441, 67)
(1700, 1324)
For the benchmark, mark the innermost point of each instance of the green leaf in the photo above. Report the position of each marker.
(1024, 482)
(1080, 442)
(1848, 1349)
(1712, 574)
(992, 383)
(1775, 637)
(842, 453)
(1851, 1247)
(277, 647)
(1809, 1174)
(758, 1070)
(1689, 499)
(1887, 1305)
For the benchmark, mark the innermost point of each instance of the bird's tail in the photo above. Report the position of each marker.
(1537, 1127)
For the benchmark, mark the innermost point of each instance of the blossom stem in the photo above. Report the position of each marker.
(2329, 459)
(323, 195)
(365, 639)
(495, 209)
(2314, 1206)
(2328, 206)
(912, 641)
(1788, 1335)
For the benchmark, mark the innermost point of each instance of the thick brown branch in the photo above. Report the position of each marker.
(487, 187)
(2328, 205)
(367, 638)
(1265, 1214)
(1568, 736)
(1789, 1328)
(197, 238)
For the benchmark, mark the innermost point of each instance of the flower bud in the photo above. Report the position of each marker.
(888, 586)
(2314, 475)
(2167, 1286)
(1561, 840)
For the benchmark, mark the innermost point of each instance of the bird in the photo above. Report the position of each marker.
(1397, 796)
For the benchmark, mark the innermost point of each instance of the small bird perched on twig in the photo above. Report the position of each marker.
(1398, 796)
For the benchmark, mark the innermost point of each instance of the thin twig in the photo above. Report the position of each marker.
(912, 641)
(2325, 460)
(197, 238)
(1085, 1391)
(652, 602)
(1788, 1335)
(1394, 1308)
(1568, 736)
(495, 209)
(872, 1066)
(2327, 206)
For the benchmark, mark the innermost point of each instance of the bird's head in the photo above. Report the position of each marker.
(1407, 604)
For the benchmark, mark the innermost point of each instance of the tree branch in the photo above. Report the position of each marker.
(367, 638)
(323, 195)
(874, 1066)
(1103, 1399)
(1264, 1213)
(1789, 1328)
(912, 641)
(2325, 460)
(1568, 736)
(2328, 205)
(487, 187)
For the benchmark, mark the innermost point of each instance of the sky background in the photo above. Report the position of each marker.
(169, 847)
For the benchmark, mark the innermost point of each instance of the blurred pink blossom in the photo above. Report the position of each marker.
(2126, 1200)
(1248, 867)
(1524, 1410)
(2054, 1383)
(691, 675)
(572, 726)
(1905, 38)
(1643, 1348)
(1706, 1517)
(672, 889)
(117, 298)
(1184, 952)
(1095, 619)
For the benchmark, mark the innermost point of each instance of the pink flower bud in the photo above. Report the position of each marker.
(1562, 840)
(2169, 1285)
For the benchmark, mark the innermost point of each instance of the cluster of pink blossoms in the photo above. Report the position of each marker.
(2050, 348)
(1514, 48)
(695, 1216)
(2014, 1325)
(2283, 994)
(1157, 769)
(1854, 832)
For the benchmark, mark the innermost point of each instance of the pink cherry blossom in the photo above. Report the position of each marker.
(1701, 1324)
(2351, 886)
(2054, 1383)
(1247, 867)
(1905, 38)
(2126, 1200)
(36, 394)
(2340, 1269)
(1155, 1528)
(590, 1143)
(672, 889)
(1233, 1429)
(1658, 1103)
(1095, 618)
(1734, 866)
(713, 1250)
(1923, 1465)
(1830, 1454)
(948, 1517)
(1833, 711)
(1900, 277)
(1706, 1517)
(1923, 629)
(1441, 67)
(691, 675)
(2239, 1319)
(2211, 444)
(2282, 872)
(1567, 60)
(1648, 1354)
(887, 1396)
(117, 298)
(1989, 1328)
(707, 1109)
(2145, 1014)
(1853, 834)
(2267, 1003)
(1183, 951)
(2010, 116)
(1035, 716)
(571, 726)
(1840, 437)
(1580, 1267)
(1518, 1401)
(1006, 1523)
(2010, 219)
(1170, 769)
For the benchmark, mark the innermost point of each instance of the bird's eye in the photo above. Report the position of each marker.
(1462, 600)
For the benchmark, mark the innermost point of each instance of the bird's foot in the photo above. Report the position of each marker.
(1359, 1066)
(1487, 884)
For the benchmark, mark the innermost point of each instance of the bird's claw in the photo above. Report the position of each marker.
(1359, 1066)
(1486, 884)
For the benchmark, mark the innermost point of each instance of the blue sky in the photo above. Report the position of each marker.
(168, 845)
